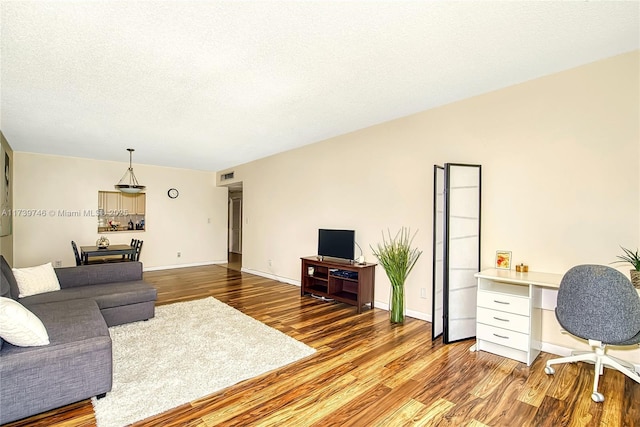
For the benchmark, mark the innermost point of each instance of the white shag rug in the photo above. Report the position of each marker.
(187, 351)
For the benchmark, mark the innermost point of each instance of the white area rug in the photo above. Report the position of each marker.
(187, 351)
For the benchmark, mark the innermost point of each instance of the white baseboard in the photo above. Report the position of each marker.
(546, 347)
(419, 315)
(565, 351)
(169, 267)
(409, 313)
(271, 276)
(376, 304)
(381, 305)
(556, 349)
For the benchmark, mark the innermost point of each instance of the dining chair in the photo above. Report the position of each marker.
(599, 304)
(136, 255)
(76, 253)
(79, 261)
(125, 257)
(129, 257)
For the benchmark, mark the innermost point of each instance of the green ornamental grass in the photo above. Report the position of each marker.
(398, 259)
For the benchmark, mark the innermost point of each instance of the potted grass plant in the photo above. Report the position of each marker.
(632, 258)
(397, 258)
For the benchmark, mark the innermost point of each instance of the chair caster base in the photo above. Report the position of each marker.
(597, 397)
(549, 370)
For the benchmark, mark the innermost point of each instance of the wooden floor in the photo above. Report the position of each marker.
(234, 261)
(367, 372)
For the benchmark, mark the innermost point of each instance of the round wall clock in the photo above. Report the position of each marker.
(173, 193)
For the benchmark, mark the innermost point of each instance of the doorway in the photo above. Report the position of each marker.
(234, 245)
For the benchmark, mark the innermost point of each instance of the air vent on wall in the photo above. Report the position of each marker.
(226, 176)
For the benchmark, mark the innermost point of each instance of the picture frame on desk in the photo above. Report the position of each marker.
(503, 260)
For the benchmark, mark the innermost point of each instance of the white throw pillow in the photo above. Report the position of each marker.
(36, 280)
(19, 326)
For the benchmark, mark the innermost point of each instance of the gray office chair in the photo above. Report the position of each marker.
(599, 304)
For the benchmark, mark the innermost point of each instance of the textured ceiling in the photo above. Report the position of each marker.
(212, 84)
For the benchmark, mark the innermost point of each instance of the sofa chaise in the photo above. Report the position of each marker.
(77, 362)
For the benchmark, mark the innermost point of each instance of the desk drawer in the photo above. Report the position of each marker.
(501, 319)
(502, 336)
(504, 302)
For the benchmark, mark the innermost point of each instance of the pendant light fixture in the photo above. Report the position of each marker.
(128, 183)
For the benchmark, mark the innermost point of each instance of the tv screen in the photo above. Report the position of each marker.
(336, 243)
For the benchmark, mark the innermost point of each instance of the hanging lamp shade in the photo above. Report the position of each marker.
(129, 183)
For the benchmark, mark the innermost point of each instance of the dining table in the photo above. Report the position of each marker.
(87, 252)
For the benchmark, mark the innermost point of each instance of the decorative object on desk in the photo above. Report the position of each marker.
(522, 268)
(632, 258)
(398, 259)
(102, 242)
(129, 183)
(503, 260)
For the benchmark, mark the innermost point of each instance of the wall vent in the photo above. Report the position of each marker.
(226, 176)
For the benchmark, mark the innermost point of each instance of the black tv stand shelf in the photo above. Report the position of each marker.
(341, 281)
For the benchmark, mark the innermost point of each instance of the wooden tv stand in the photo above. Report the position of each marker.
(338, 280)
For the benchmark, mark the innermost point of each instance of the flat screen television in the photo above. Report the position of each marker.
(336, 243)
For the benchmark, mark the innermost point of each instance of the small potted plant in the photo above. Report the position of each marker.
(632, 258)
(397, 258)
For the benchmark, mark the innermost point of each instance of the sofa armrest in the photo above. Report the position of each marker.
(54, 376)
(96, 274)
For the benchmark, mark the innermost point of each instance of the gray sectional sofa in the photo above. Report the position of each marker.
(77, 362)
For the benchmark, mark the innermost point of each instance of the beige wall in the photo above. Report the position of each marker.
(6, 242)
(195, 223)
(560, 157)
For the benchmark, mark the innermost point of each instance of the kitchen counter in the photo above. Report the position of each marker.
(119, 230)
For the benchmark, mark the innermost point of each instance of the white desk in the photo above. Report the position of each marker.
(509, 314)
(509, 311)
